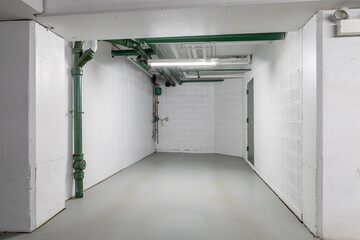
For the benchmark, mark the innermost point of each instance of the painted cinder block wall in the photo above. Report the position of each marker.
(190, 109)
(277, 74)
(229, 133)
(203, 118)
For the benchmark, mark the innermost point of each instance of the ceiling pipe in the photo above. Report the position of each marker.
(161, 56)
(143, 57)
(219, 38)
(79, 164)
(129, 52)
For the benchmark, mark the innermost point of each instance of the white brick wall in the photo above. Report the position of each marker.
(230, 117)
(190, 109)
(277, 73)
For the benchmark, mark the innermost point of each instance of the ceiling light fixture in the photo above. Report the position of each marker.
(182, 62)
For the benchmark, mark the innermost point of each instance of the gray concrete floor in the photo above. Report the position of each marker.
(171, 196)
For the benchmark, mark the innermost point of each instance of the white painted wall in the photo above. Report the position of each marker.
(117, 127)
(190, 109)
(310, 121)
(17, 146)
(230, 117)
(341, 130)
(36, 124)
(53, 149)
(277, 73)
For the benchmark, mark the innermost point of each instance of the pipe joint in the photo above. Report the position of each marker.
(85, 57)
(79, 165)
(76, 71)
(78, 176)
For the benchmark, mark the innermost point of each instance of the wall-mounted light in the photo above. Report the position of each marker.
(342, 14)
(182, 62)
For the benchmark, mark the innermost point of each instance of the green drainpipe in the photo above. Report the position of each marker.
(79, 164)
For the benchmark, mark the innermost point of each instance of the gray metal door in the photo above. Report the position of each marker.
(250, 121)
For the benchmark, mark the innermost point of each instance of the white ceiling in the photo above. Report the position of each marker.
(115, 19)
(225, 18)
(19, 9)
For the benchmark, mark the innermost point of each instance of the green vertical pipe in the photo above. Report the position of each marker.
(79, 164)
(78, 156)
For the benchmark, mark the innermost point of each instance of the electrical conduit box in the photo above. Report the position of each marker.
(158, 91)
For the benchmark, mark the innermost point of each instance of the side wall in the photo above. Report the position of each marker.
(36, 129)
(53, 149)
(341, 131)
(230, 117)
(190, 109)
(17, 146)
(117, 124)
(277, 73)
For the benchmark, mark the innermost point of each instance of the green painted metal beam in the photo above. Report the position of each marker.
(128, 52)
(219, 38)
(203, 80)
(214, 70)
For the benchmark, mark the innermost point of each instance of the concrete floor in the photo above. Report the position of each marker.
(170, 196)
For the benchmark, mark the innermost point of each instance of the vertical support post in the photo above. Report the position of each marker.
(79, 163)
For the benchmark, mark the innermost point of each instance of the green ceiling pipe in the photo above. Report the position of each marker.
(213, 70)
(219, 38)
(169, 82)
(129, 43)
(161, 56)
(79, 164)
(128, 52)
(203, 80)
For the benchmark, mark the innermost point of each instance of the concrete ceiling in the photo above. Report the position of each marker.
(138, 19)
(19, 9)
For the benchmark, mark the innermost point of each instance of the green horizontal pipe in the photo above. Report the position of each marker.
(115, 53)
(129, 43)
(213, 70)
(204, 80)
(219, 38)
